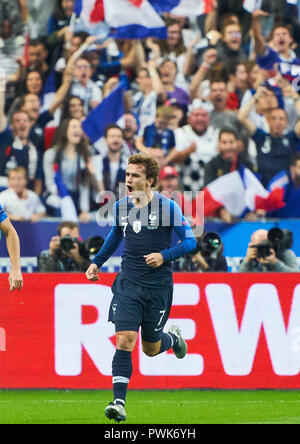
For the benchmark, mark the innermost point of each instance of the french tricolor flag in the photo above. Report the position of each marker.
(240, 192)
(134, 19)
(137, 19)
(91, 12)
(128, 19)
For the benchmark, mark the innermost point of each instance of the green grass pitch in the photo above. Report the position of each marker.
(152, 407)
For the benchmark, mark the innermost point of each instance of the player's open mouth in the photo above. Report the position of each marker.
(129, 188)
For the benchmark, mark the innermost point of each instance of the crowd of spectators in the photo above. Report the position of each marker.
(220, 93)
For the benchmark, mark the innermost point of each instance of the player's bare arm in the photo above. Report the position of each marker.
(92, 273)
(13, 247)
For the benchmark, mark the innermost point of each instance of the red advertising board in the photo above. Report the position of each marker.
(243, 332)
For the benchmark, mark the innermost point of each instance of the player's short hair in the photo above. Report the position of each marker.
(151, 165)
(66, 224)
(20, 170)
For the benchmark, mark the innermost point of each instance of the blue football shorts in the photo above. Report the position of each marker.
(134, 306)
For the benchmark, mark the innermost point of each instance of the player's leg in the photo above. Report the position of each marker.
(126, 314)
(122, 364)
(171, 340)
(122, 372)
(157, 312)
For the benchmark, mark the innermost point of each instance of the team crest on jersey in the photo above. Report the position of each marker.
(153, 221)
(137, 226)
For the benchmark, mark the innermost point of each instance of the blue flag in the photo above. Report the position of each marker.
(78, 7)
(108, 112)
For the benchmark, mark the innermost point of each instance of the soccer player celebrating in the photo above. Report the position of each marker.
(143, 290)
(13, 247)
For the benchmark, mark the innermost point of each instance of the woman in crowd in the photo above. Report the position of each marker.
(174, 49)
(34, 83)
(73, 109)
(70, 157)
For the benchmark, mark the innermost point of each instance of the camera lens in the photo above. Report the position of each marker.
(211, 241)
(275, 235)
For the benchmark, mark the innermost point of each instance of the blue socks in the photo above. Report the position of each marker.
(122, 372)
(122, 367)
(168, 340)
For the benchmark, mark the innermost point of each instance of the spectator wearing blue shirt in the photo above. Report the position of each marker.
(274, 149)
(289, 182)
(280, 56)
(158, 135)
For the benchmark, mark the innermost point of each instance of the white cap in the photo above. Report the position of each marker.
(200, 104)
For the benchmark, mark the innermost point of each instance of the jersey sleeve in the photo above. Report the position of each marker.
(3, 215)
(268, 60)
(112, 241)
(183, 230)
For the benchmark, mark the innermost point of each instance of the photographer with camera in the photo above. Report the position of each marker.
(270, 252)
(67, 253)
(207, 258)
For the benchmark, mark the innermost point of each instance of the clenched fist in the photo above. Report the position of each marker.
(92, 273)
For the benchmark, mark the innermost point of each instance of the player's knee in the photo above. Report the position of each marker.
(125, 342)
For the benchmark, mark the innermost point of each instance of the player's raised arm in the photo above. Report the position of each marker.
(13, 247)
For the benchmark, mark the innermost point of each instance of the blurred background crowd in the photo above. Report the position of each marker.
(218, 96)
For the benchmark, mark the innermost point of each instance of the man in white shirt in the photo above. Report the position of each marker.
(84, 87)
(110, 167)
(19, 203)
(144, 101)
(196, 145)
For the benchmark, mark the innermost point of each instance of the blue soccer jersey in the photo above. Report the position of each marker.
(290, 69)
(145, 231)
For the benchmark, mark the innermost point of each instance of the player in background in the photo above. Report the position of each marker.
(12, 238)
(143, 290)
(13, 247)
